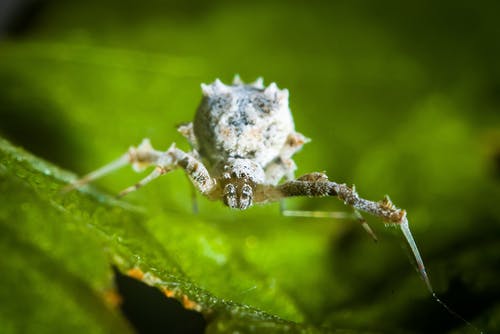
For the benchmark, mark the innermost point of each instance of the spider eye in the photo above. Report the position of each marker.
(246, 197)
(229, 196)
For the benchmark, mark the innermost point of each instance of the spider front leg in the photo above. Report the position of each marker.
(354, 215)
(139, 157)
(144, 155)
(175, 158)
(318, 185)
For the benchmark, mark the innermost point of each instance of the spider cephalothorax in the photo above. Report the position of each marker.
(238, 180)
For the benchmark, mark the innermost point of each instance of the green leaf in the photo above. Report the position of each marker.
(61, 247)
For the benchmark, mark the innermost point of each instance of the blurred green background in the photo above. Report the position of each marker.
(399, 98)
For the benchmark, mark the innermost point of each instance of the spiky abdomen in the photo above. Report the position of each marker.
(242, 123)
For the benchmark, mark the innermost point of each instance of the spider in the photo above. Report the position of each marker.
(242, 142)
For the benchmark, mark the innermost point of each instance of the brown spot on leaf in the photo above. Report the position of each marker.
(189, 304)
(168, 293)
(112, 298)
(136, 273)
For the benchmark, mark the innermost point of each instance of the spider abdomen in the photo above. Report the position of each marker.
(242, 121)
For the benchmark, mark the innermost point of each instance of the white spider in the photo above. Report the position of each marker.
(242, 140)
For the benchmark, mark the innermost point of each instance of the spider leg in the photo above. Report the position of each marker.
(365, 225)
(355, 215)
(139, 157)
(175, 158)
(111, 167)
(158, 171)
(194, 200)
(144, 156)
(318, 185)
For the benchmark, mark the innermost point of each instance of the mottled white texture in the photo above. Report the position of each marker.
(246, 121)
(243, 169)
